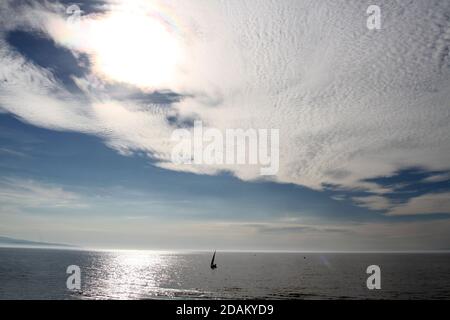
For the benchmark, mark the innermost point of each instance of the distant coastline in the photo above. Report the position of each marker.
(20, 243)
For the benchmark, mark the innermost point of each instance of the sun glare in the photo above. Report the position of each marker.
(135, 49)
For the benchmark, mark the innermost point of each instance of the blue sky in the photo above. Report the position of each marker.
(73, 174)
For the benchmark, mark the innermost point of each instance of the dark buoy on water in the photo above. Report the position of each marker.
(213, 265)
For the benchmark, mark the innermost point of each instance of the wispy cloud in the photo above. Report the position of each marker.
(431, 203)
(20, 194)
(437, 178)
(373, 202)
(299, 229)
(428, 203)
(7, 151)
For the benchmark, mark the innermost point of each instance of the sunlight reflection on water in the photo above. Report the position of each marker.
(132, 275)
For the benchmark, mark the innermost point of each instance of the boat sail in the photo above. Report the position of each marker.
(213, 265)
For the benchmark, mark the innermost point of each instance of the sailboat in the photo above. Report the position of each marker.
(213, 265)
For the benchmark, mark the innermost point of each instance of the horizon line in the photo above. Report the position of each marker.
(171, 251)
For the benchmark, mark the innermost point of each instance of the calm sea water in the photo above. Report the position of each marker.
(41, 274)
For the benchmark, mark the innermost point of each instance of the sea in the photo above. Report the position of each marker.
(30, 273)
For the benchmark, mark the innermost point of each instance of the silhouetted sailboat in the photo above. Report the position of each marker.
(213, 265)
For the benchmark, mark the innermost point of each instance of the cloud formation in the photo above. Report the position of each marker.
(21, 194)
(424, 204)
(351, 103)
(373, 202)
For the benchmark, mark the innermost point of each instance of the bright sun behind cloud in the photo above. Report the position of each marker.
(137, 49)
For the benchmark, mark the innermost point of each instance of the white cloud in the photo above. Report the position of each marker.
(431, 203)
(437, 178)
(10, 152)
(424, 204)
(33, 94)
(19, 194)
(339, 197)
(351, 103)
(373, 202)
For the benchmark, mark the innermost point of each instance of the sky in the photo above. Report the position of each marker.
(91, 92)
